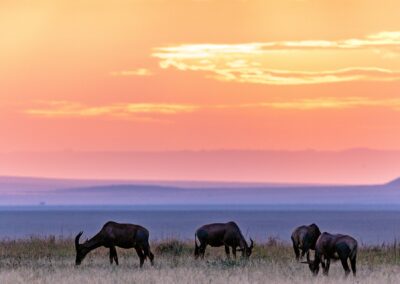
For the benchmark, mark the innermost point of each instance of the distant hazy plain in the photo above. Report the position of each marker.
(368, 225)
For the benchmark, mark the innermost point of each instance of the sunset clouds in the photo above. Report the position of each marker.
(191, 75)
(134, 72)
(56, 109)
(330, 103)
(251, 62)
(59, 109)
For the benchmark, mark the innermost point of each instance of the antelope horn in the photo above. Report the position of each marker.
(77, 239)
(251, 243)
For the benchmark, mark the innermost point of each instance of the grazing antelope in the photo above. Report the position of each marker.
(334, 247)
(222, 234)
(116, 235)
(304, 239)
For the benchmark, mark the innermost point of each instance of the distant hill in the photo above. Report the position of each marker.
(27, 184)
(394, 183)
(75, 192)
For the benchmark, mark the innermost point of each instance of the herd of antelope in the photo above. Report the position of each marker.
(304, 238)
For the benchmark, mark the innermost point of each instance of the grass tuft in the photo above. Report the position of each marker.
(51, 260)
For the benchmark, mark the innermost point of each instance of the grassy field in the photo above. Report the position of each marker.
(51, 260)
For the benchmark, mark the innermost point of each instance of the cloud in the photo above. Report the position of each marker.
(137, 72)
(250, 62)
(118, 110)
(153, 112)
(328, 103)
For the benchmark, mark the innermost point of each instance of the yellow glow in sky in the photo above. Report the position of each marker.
(264, 73)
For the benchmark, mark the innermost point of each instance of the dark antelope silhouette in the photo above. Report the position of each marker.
(334, 247)
(304, 239)
(116, 235)
(222, 234)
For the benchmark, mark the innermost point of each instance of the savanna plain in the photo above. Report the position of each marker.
(51, 260)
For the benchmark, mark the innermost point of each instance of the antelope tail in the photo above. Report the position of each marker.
(196, 246)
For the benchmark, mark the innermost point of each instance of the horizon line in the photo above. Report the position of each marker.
(222, 182)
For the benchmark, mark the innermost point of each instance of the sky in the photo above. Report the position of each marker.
(163, 75)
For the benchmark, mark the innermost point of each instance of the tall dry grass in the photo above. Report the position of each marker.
(51, 260)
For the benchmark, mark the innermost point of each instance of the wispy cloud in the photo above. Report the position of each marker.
(328, 103)
(118, 110)
(135, 72)
(148, 111)
(249, 62)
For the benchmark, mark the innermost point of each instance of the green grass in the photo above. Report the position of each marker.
(51, 260)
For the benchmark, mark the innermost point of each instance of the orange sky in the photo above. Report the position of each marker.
(200, 74)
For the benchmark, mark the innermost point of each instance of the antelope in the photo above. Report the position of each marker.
(116, 235)
(334, 247)
(222, 234)
(304, 239)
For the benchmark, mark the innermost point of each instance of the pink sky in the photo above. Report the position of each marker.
(199, 75)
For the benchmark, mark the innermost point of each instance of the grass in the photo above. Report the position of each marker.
(51, 260)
